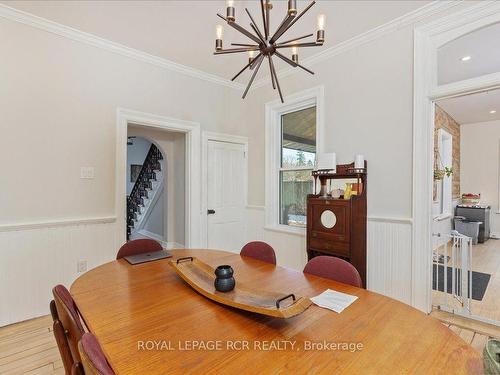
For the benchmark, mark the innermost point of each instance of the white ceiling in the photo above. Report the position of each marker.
(473, 108)
(184, 31)
(483, 46)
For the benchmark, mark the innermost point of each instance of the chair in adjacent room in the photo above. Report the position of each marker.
(335, 269)
(139, 246)
(93, 359)
(70, 326)
(259, 250)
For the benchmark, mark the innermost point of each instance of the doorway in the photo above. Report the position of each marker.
(466, 249)
(190, 181)
(226, 179)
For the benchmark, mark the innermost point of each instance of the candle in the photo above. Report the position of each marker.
(359, 162)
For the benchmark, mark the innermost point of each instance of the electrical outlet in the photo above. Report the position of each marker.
(87, 172)
(81, 266)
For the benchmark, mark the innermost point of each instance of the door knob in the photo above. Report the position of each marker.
(210, 212)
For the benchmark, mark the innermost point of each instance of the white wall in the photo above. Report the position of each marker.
(58, 100)
(136, 153)
(480, 168)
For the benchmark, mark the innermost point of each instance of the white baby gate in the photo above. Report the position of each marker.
(452, 274)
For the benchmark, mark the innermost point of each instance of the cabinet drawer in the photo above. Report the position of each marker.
(336, 247)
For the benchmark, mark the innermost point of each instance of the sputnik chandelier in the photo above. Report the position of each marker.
(266, 44)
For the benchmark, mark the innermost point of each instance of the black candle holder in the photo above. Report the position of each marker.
(224, 280)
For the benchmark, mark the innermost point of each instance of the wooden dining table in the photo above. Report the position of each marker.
(149, 321)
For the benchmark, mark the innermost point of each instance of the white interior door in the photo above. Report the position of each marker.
(226, 196)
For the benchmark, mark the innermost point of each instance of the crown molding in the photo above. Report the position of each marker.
(29, 19)
(407, 19)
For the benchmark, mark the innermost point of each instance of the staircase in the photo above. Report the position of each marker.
(149, 181)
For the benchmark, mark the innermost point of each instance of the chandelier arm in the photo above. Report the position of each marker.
(221, 16)
(284, 25)
(273, 72)
(268, 18)
(245, 45)
(292, 63)
(264, 19)
(294, 39)
(311, 44)
(255, 27)
(257, 31)
(244, 31)
(245, 68)
(294, 20)
(235, 50)
(253, 76)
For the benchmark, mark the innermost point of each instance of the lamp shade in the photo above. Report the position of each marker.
(327, 161)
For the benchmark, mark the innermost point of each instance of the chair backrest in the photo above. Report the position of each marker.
(69, 318)
(93, 359)
(61, 340)
(259, 250)
(140, 246)
(335, 269)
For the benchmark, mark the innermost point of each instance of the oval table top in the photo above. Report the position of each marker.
(149, 321)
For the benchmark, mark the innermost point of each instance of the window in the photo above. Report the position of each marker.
(442, 204)
(298, 156)
(293, 138)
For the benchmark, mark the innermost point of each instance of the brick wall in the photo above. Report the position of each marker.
(443, 120)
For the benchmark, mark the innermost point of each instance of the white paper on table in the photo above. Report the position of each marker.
(333, 300)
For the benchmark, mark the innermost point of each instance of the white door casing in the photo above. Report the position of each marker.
(226, 195)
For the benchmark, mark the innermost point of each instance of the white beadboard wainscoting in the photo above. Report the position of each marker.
(38, 256)
(388, 248)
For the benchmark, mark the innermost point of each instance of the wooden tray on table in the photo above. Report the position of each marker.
(200, 276)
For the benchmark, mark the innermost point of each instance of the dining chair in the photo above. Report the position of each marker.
(61, 340)
(93, 359)
(259, 250)
(139, 246)
(335, 269)
(68, 325)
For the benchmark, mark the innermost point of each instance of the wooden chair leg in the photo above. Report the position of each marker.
(62, 344)
(77, 369)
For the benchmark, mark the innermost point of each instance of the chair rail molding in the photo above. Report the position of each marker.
(219, 137)
(53, 223)
(193, 168)
(41, 23)
(428, 38)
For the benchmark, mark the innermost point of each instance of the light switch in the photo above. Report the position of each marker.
(87, 172)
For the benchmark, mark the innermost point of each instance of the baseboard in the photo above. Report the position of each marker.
(157, 237)
(495, 235)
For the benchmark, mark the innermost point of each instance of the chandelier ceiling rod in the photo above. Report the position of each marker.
(265, 43)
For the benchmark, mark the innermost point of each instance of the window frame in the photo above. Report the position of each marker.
(274, 111)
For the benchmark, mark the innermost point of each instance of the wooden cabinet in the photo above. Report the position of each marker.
(342, 232)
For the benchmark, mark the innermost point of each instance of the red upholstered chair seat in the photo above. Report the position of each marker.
(93, 359)
(141, 246)
(259, 250)
(335, 269)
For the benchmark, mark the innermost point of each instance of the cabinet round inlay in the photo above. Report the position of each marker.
(328, 219)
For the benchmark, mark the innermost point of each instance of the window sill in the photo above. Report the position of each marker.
(286, 229)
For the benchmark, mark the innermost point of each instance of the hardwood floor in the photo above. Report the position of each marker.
(486, 259)
(30, 348)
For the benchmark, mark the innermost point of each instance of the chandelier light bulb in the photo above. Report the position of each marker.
(218, 31)
(321, 22)
(251, 54)
(230, 3)
(294, 50)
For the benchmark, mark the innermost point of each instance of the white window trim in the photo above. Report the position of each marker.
(274, 111)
